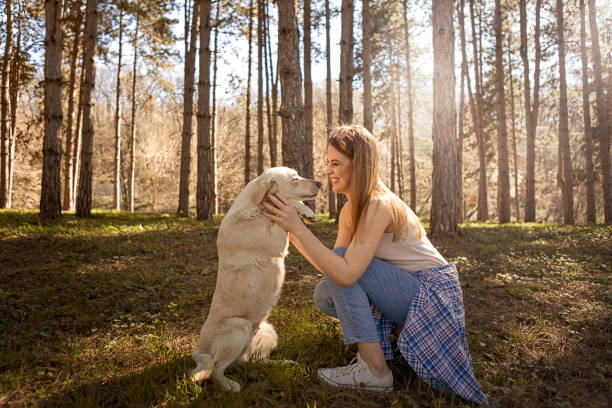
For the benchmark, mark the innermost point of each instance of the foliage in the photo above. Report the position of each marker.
(105, 312)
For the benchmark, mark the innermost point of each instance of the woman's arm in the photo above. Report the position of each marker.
(343, 270)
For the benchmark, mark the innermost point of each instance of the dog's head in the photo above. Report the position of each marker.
(285, 181)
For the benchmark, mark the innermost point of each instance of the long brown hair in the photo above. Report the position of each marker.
(357, 143)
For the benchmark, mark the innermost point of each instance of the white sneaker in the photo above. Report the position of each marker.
(356, 375)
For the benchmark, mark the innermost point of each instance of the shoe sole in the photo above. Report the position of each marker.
(372, 388)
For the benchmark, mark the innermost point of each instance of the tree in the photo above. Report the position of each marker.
(291, 111)
(83, 205)
(4, 102)
(412, 168)
(70, 125)
(203, 194)
(183, 206)
(329, 119)
(117, 119)
(132, 141)
(531, 110)
(443, 205)
(213, 123)
(367, 63)
(461, 132)
(308, 94)
(602, 117)
(345, 91)
(568, 179)
(512, 116)
(483, 208)
(247, 126)
(591, 213)
(503, 172)
(50, 196)
(260, 125)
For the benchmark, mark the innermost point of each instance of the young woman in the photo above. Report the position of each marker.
(383, 273)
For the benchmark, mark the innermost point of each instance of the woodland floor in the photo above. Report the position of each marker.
(104, 312)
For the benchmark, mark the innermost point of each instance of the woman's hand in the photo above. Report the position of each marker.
(279, 209)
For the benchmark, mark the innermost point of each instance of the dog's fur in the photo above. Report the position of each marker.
(251, 272)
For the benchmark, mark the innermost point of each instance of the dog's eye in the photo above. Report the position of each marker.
(295, 179)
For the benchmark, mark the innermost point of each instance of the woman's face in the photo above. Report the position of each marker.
(339, 169)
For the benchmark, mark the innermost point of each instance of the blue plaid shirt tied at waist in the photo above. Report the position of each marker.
(433, 337)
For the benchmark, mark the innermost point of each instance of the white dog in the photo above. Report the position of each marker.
(251, 271)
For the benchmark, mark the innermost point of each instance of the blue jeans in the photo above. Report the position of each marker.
(386, 286)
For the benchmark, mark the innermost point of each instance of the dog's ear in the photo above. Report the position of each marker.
(264, 187)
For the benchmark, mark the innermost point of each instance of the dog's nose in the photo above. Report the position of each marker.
(318, 184)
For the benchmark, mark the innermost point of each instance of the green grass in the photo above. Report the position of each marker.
(106, 311)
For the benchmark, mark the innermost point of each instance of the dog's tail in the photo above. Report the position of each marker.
(205, 365)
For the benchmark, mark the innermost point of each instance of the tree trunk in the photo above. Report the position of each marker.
(345, 102)
(412, 168)
(260, 124)
(308, 92)
(268, 72)
(117, 121)
(531, 111)
(443, 205)
(247, 126)
(14, 100)
(50, 195)
(602, 117)
(483, 208)
(131, 170)
(568, 179)
(591, 213)
(393, 113)
(213, 123)
(4, 101)
(514, 154)
(274, 86)
(461, 132)
(329, 117)
(503, 171)
(292, 111)
(400, 148)
(78, 127)
(367, 63)
(203, 194)
(83, 205)
(183, 206)
(70, 130)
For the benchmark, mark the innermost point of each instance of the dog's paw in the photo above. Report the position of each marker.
(229, 385)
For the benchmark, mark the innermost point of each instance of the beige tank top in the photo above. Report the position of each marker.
(409, 253)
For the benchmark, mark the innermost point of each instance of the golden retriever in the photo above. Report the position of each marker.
(251, 271)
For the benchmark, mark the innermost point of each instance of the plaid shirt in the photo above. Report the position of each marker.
(433, 338)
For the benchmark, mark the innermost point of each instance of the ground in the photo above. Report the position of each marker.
(105, 312)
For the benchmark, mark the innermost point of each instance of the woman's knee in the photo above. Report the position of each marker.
(323, 298)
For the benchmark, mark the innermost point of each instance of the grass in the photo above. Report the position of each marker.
(105, 312)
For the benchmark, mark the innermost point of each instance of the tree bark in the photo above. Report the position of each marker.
(213, 123)
(367, 64)
(412, 168)
(83, 205)
(345, 91)
(292, 111)
(568, 178)
(483, 208)
(247, 126)
(602, 117)
(117, 121)
(461, 132)
(260, 124)
(400, 148)
(4, 102)
(331, 196)
(70, 128)
(591, 213)
(131, 170)
(444, 195)
(50, 195)
(14, 100)
(503, 171)
(183, 205)
(274, 87)
(203, 194)
(78, 139)
(531, 110)
(514, 154)
(268, 72)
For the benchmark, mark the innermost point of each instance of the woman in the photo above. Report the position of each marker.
(381, 274)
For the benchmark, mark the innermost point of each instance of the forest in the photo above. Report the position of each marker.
(129, 127)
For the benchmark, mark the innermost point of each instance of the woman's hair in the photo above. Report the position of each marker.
(357, 143)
